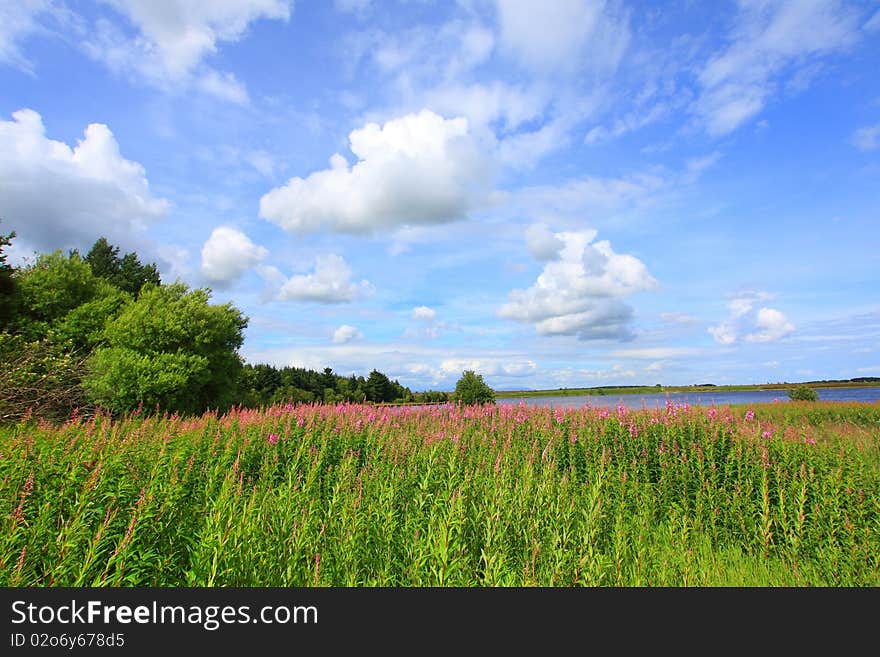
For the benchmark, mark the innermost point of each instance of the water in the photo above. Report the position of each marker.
(650, 401)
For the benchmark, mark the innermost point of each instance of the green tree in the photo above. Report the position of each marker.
(471, 389)
(803, 393)
(127, 273)
(49, 289)
(169, 348)
(8, 296)
(378, 387)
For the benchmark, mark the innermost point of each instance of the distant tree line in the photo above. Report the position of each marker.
(265, 384)
(103, 330)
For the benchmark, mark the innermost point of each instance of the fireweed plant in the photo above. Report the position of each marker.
(784, 494)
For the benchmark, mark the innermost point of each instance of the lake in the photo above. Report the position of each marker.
(866, 394)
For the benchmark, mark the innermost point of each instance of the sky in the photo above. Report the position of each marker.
(557, 194)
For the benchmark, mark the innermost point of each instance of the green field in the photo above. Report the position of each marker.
(350, 495)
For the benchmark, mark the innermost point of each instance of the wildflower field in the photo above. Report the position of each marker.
(356, 495)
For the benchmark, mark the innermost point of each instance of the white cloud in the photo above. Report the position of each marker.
(484, 104)
(523, 149)
(174, 37)
(416, 169)
(562, 36)
(223, 85)
(542, 244)
(329, 283)
(765, 325)
(772, 325)
(262, 162)
(867, 139)
(346, 333)
(424, 313)
(579, 292)
(769, 39)
(873, 24)
(724, 333)
(55, 196)
(656, 353)
(227, 254)
(18, 20)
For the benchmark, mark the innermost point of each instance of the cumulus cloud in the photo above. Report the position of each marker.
(55, 196)
(769, 38)
(542, 244)
(346, 333)
(561, 36)
(416, 169)
(424, 313)
(174, 37)
(867, 139)
(579, 293)
(330, 282)
(227, 254)
(772, 325)
(763, 325)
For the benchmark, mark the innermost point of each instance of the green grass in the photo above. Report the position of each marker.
(447, 496)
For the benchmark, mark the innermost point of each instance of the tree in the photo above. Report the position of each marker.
(49, 289)
(8, 296)
(169, 348)
(803, 393)
(378, 387)
(127, 273)
(471, 389)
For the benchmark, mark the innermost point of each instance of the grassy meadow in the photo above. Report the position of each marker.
(784, 494)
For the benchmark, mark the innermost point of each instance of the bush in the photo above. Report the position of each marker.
(169, 348)
(803, 393)
(471, 389)
(40, 378)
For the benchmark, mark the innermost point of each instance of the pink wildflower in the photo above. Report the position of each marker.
(273, 438)
(750, 415)
(766, 434)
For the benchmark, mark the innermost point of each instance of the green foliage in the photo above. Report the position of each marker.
(49, 289)
(378, 387)
(83, 327)
(8, 289)
(127, 273)
(803, 393)
(169, 348)
(471, 389)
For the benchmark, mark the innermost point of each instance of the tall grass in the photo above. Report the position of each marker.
(317, 495)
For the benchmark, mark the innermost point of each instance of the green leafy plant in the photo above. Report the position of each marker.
(471, 389)
(803, 393)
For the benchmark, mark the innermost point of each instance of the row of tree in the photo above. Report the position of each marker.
(79, 332)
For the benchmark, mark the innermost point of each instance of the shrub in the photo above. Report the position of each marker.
(471, 389)
(803, 393)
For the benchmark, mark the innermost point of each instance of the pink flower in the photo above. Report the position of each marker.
(766, 434)
(273, 438)
(750, 415)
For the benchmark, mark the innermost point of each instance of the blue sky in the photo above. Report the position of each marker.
(554, 194)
